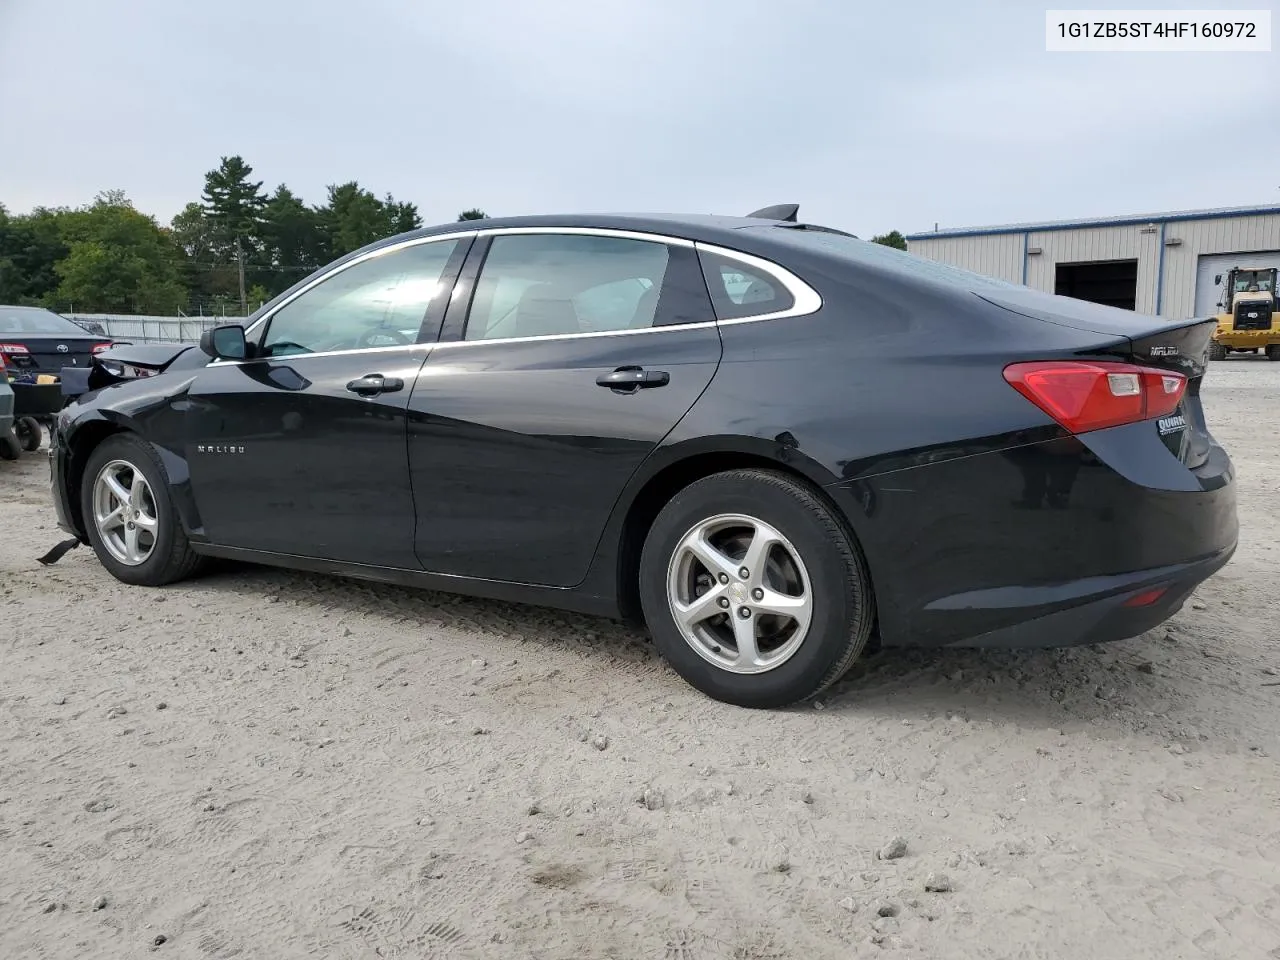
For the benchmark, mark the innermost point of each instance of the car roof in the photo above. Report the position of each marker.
(706, 227)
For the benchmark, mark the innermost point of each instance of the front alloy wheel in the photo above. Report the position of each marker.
(130, 517)
(124, 511)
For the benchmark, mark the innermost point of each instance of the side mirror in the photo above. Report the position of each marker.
(224, 343)
(1217, 281)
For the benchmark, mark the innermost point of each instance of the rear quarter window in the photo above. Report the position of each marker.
(739, 291)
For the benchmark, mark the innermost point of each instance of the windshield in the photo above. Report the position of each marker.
(1250, 281)
(34, 320)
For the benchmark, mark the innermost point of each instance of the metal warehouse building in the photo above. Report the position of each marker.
(1164, 263)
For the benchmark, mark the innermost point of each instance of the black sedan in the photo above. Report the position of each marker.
(771, 442)
(34, 340)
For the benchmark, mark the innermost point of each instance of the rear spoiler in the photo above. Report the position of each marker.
(779, 211)
(786, 214)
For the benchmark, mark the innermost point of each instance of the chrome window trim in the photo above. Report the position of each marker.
(806, 299)
(292, 357)
(591, 232)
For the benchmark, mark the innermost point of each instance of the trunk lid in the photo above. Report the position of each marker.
(49, 354)
(1181, 346)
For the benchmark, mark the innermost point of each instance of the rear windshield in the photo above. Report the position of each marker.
(878, 255)
(34, 320)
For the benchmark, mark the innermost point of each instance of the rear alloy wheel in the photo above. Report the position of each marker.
(130, 517)
(1217, 351)
(753, 590)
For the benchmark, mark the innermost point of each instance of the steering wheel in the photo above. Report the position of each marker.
(365, 339)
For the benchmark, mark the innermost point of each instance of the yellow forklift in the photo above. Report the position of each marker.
(1250, 317)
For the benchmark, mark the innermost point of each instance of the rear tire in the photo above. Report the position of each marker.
(136, 534)
(813, 571)
(1217, 351)
(1273, 351)
(28, 432)
(10, 449)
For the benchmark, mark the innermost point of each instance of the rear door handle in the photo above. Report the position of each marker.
(372, 384)
(633, 378)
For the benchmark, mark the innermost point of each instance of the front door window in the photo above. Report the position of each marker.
(379, 302)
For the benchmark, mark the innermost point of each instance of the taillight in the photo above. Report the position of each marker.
(1091, 395)
(12, 348)
(97, 348)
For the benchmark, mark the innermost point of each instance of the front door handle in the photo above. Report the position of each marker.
(630, 379)
(372, 384)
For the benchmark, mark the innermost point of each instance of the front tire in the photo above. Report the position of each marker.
(1273, 351)
(130, 517)
(753, 589)
(1217, 351)
(10, 448)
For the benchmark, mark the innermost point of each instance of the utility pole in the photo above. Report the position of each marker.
(244, 303)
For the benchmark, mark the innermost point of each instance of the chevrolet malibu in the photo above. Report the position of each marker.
(769, 441)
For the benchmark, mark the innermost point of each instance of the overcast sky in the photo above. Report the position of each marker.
(871, 116)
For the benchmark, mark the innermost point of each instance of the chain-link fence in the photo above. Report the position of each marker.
(149, 329)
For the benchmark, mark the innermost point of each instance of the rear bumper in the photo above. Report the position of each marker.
(1042, 544)
(1103, 614)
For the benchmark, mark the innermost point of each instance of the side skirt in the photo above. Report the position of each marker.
(558, 598)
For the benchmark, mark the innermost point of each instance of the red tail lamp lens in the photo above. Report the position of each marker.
(1084, 396)
(100, 347)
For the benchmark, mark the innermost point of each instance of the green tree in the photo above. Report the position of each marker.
(475, 213)
(891, 239)
(401, 217)
(355, 217)
(295, 241)
(118, 261)
(30, 246)
(234, 204)
(206, 271)
(258, 295)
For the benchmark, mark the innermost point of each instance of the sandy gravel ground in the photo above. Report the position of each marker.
(268, 765)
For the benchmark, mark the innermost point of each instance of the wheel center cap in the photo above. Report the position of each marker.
(737, 593)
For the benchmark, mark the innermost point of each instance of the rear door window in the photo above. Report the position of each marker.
(545, 285)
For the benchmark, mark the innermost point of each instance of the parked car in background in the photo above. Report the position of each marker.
(767, 440)
(34, 340)
(10, 446)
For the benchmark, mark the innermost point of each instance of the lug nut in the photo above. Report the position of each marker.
(757, 594)
(744, 573)
(724, 578)
(724, 601)
(744, 613)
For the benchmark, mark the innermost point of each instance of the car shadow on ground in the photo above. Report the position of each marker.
(1143, 685)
